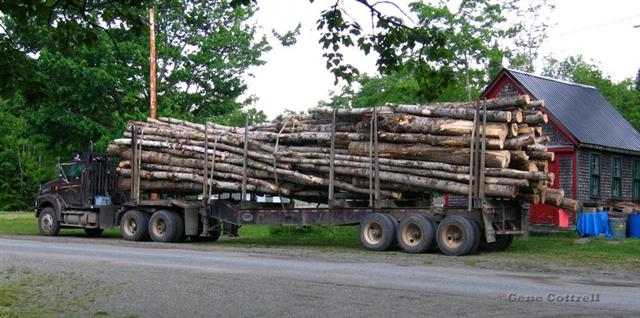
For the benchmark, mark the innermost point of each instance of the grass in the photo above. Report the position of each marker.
(25, 223)
(560, 248)
(323, 236)
(563, 248)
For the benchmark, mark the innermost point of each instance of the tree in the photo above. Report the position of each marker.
(21, 164)
(84, 68)
(450, 53)
(637, 83)
(473, 33)
(75, 72)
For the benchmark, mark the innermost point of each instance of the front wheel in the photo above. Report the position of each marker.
(48, 222)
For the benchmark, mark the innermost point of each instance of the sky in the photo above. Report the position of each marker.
(295, 78)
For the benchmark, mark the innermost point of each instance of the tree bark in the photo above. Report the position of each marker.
(456, 156)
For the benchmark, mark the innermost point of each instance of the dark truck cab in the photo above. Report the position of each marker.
(82, 196)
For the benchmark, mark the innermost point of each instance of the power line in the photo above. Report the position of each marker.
(597, 26)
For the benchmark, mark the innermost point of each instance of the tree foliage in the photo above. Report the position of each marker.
(449, 54)
(75, 72)
(446, 38)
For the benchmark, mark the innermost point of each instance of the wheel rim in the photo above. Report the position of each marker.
(159, 227)
(373, 233)
(412, 234)
(47, 222)
(452, 236)
(130, 226)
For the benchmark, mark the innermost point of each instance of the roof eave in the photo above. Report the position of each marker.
(610, 149)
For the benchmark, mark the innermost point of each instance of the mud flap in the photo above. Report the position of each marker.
(107, 216)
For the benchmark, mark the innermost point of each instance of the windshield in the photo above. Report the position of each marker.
(73, 170)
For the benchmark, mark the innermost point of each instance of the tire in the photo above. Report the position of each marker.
(478, 236)
(180, 227)
(457, 235)
(416, 234)
(48, 222)
(377, 232)
(502, 243)
(134, 226)
(166, 226)
(93, 232)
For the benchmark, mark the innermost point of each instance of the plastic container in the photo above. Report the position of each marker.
(618, 228)
(633, 225)
(593, 224)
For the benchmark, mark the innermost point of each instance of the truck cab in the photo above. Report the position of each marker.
(82, 196)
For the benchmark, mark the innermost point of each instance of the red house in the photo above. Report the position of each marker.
(597, 151)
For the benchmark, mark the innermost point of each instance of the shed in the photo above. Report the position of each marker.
(597, 151)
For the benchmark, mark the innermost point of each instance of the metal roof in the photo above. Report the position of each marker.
(582, 111)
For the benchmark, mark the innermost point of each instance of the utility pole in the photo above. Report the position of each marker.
(153, 105)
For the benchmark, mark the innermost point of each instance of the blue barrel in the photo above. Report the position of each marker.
(618, 228)
(634, 225)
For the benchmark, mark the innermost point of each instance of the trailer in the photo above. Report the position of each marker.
(85, 195)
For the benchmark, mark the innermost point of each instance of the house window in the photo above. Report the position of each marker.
(636, 180)
(616, 177)
(594, 168)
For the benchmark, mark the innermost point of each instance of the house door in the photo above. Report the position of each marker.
(543, 213)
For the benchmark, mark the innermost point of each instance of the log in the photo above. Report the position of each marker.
(520, 141)
(183, 187)
(553, 196)
(517, 116)
(438, 126)
(452, 112)
(569, 204)
(536, 118)
(456, 156)
(496, 190)
(541, 155)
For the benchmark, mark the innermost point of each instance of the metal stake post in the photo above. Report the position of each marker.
(134, 162)
(244, 158)
(472, 160)
(376, 155)
(332, 158)
(206, 163)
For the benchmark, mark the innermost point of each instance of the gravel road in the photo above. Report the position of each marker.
(151, 280)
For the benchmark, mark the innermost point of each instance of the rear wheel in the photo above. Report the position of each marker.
(166, 226)
(93, 232)
(416, 233)
(502, 243)
(457, 235)
(377, 232)
(134, 226)
(48, 222)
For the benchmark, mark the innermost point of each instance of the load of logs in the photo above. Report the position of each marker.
(417, 148)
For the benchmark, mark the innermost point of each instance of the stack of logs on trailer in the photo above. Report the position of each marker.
(408, 149)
